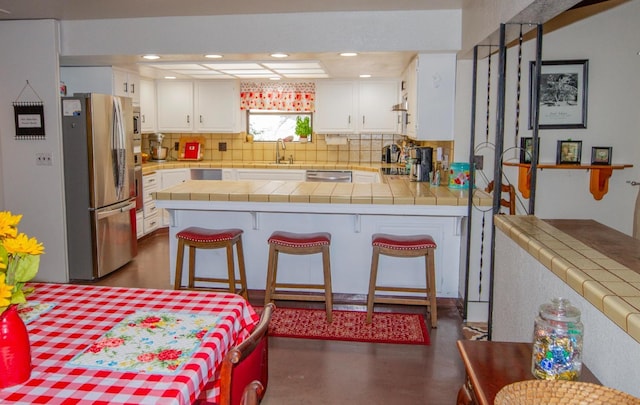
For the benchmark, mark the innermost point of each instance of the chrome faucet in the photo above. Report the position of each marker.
(280, 142)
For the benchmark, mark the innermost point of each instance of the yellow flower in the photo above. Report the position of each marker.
(5, 292)
(9, 224)
(22, 244)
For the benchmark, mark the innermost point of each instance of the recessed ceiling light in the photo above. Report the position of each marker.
(213, 56)
(151, 57)
(170, 77)
(279, 55)
(365, 76)
(348, 54)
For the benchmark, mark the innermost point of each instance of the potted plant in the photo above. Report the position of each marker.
(303, 128)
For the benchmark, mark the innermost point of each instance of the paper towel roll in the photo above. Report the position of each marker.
(335, 139)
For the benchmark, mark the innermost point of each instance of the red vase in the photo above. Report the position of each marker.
(15, 350)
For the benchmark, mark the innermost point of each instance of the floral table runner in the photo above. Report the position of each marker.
(148, 342)
(30, 311)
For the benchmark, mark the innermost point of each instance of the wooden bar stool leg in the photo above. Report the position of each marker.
(372, 282)
(431, 281)
(271, 273)
(326, 266)
(231, 268)
(192, 266)
(241, 268)
(177, 282)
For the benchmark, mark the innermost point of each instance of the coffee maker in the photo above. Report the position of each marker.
(422, 158)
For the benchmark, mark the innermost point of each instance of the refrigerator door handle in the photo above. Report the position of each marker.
(116, 210)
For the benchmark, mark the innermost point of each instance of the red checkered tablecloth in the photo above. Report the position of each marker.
(83, 314)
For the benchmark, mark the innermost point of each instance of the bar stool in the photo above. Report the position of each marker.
(404, 246)
(202, 238)
(299, 244)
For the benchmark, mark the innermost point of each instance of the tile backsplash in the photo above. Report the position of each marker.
(359, 148)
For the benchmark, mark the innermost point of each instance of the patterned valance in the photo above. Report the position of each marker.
(278, 96)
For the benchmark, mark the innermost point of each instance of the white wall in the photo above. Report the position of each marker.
(609, 41)
(29, 51)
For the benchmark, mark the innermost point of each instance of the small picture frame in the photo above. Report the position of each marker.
(526, 149)
(569, 152)
(601, 155)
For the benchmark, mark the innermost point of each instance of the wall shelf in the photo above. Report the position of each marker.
(598, 182)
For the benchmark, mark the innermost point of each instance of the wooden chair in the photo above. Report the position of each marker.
(246, 362)
(252, 394)
(511, 192)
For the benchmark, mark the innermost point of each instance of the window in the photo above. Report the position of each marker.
(267, 125)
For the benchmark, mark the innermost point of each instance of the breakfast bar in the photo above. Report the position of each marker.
(351, 212)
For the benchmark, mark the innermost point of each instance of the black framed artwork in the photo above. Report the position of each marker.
(526, 149)
(601, 155)
(563, 94)
(569, 152)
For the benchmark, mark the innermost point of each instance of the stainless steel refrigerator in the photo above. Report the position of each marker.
(97, 131)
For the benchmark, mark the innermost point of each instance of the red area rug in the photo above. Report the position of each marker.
(349, 325)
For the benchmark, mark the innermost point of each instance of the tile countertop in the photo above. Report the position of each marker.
(392, 190)
(583, 264)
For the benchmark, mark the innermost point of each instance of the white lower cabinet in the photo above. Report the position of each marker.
(150, 217)
(168, 178)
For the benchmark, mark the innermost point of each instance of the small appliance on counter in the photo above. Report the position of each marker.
(422, 158)
(391, 154)
(157, 151)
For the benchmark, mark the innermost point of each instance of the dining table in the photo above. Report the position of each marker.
(112, 345)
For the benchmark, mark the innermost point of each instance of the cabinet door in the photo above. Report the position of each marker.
(217, 106)
(169, 178)
(435, 84)
(335, 107)
(175, 105)
(133, 87)
(147, 105)
(374, 106)
(120, 83)
(411, 95)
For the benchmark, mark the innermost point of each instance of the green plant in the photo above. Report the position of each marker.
(303, 127)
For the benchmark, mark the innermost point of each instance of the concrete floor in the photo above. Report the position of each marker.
(310, 372)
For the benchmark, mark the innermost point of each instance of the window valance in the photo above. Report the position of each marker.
(278, 96)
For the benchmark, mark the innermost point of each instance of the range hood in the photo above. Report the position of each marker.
(399, 107)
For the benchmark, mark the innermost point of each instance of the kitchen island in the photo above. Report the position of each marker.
(593, 266)
(351, 212)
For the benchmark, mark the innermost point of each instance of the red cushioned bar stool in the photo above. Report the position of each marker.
(202, 238)
(299, 244)
(404, 246)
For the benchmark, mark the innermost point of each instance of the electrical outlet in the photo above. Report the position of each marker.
(478, 161)
(44, 159)
(222, 146)
(176, 146)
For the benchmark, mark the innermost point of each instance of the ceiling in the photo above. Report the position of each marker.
(258, 66)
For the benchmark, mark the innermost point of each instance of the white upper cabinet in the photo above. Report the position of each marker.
(336, 106)
(375, 99)
(352, 106)
(175, 105)
(126, 84)
(430, 84)
(217, 106)
(101, 79)
(148, 106)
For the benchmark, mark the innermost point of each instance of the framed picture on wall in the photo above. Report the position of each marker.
(569, 152)
(563, 94)
(601, 155)
(526, 149)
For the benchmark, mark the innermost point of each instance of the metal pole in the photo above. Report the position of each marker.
(472, 181)
(536, 124)
(497, 178)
